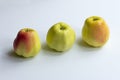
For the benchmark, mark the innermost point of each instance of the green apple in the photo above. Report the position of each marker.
(27, 43)
(95, 31)
(60, 37)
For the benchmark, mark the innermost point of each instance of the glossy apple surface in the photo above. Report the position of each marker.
(27, 43)
(95, 31)
(60, 37)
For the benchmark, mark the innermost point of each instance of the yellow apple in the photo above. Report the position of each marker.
(60, 37)
(27, 43)
(95, 31)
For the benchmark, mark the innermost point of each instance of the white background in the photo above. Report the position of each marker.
(81, 62)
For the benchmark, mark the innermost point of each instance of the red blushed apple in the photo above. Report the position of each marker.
(95, 31)
(27, 43)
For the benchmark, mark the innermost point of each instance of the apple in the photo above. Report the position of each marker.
(60, 37)
(95, 31)
(27, 43)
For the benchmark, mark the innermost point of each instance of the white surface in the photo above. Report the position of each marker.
(80, 62)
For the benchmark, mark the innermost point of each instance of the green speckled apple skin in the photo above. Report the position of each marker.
(60, 37)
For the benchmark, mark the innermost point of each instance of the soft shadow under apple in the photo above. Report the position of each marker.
(12, 56)
(85, 47)
(50, 51)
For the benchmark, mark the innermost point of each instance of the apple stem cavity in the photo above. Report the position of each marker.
(28, 30)
(95, 19)
(62, 28)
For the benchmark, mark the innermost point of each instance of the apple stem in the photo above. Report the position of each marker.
(95, 19)
(62, 28)
(28, 30)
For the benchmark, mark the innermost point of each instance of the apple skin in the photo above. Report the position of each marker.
(95, 31)
(27, 43)
(60, 37)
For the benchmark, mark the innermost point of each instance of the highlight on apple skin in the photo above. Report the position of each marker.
(60, 37)
(27, 43)
(95, 31)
